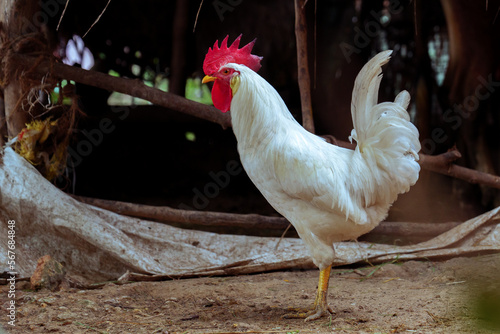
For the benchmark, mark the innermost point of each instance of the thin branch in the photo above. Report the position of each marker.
(197, 14)
(282, 236)
(303, 66)
(62, 15)
(238, 268)
(97, 20)
(131, 87)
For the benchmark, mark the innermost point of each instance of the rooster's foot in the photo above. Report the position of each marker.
(308, 314)
(320, 307)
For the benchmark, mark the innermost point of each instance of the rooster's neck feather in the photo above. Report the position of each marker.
(257, 110)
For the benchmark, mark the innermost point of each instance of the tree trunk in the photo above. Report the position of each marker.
(303, 65)
(3, 124)
(18, 19)
(178, 66)
(472, 85)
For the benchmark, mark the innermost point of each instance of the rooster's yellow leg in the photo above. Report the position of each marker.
(320, 307)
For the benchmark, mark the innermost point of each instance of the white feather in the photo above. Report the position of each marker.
(327, 192)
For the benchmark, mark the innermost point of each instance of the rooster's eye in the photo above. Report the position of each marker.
(226, 71)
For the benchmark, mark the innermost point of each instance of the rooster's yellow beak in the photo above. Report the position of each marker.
(208, 78)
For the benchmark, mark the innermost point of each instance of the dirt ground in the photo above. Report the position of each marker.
(410, 297)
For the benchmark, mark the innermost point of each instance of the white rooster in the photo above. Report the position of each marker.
(328, 193)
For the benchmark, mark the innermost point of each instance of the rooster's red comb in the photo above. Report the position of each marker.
(218, 57)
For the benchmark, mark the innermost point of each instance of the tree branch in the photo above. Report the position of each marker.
(188, 218)
(442, 164)
(438, 163)
(132, 87)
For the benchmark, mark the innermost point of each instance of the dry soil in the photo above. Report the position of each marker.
(410, 297)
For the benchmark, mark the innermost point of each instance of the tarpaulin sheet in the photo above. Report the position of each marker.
(98, 244)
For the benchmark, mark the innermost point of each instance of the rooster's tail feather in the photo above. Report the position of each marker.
(386, 138)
